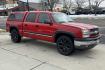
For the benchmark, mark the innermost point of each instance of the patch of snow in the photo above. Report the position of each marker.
(88, 16)
(3, 17)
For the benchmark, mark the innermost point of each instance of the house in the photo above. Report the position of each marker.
(8, 6)
(35, 4)
(3, 2)
(38, 4)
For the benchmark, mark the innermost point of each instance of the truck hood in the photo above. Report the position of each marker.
(81, 25)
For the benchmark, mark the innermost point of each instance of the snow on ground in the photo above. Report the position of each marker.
(1, 17)
(88, 16)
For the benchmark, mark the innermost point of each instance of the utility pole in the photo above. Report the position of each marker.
(28, 9)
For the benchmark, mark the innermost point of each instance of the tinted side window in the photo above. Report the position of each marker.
(19, 17)
(12, 17)
(43, 17)
(31, 17)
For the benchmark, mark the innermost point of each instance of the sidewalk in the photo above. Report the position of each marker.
(11, 60)
(15, 61)
(40, 55)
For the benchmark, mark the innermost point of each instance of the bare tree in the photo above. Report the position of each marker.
(89, 1)
(51, 4)
(80, 3)
(67, 4)
(96, 4)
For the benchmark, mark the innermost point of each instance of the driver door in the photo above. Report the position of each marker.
(46, 31)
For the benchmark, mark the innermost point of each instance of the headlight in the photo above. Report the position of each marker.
(86, 33)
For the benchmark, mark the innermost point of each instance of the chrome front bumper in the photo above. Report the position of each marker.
(85, 43)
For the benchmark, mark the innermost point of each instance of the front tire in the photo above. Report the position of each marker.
(15, 36)
(65, 45)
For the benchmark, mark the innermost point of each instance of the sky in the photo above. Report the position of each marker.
(37, 1)
(103, 4)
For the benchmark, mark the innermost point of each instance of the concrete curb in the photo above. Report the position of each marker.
(2, 30)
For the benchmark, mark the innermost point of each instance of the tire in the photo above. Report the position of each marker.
(65, 45)
(15, 36)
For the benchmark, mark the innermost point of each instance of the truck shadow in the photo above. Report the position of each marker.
(51, 47)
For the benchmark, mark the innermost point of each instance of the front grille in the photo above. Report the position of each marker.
(94, 32)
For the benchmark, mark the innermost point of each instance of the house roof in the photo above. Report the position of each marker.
(5, 9)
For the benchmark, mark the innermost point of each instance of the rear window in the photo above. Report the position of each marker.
(11, 17)
(16, 17)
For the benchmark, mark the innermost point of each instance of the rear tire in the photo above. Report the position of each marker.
(65, 45)
(15, 36)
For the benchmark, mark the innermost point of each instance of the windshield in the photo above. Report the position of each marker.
(61, 18)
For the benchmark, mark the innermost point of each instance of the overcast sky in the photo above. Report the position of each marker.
(37, 1)
(103, 4)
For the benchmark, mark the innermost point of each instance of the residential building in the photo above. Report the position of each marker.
(37, 4)
(7, 6)
(2, 2)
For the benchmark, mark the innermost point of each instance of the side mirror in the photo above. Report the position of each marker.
(48, 22)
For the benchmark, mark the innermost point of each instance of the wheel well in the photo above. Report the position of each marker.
(64, 34)
(11, 28)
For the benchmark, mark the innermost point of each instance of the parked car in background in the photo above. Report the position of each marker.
(88, 11)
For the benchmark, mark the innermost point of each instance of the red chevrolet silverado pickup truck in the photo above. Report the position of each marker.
(53, 27)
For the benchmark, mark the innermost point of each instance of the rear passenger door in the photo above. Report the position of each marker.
(19, 21)
(29, 26)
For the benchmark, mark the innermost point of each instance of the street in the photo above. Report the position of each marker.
(33, 54)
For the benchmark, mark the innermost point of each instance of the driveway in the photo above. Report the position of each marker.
(40, 55)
